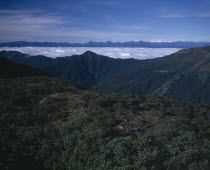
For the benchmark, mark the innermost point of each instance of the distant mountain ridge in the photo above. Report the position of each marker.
(145, 44)
(184, 75)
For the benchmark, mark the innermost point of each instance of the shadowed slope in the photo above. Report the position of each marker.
(9, 69)
(184, 75)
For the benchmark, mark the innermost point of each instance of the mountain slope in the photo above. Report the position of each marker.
(9, 69)
(184, 75)
(46, 123)
(86, 69)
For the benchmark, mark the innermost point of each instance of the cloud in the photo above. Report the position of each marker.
(182, 15)
(41, 25)
(12, 12)
(22, 24)
(110, 3)
(137, 53)
(35, 17)
(204, 15)
(159, 41)
(125, 55)
(129, 27)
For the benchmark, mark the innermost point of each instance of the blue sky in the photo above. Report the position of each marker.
(103, 20)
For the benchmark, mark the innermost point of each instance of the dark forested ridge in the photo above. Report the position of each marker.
(46, 123)
(184, 75)
(10, 69)
(86, 69)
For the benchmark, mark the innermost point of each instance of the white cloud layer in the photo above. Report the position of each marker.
(187, 15)
(137, 53)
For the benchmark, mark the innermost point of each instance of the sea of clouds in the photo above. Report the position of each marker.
(137, 53)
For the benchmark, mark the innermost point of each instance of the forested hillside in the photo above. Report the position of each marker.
(46, 123)
(184, 75)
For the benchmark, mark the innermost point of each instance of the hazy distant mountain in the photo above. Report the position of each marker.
(148, 44)
(184, 75)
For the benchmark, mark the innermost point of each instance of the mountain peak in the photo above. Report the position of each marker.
(89, 53)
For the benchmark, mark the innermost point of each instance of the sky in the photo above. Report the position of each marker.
(104, 20)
